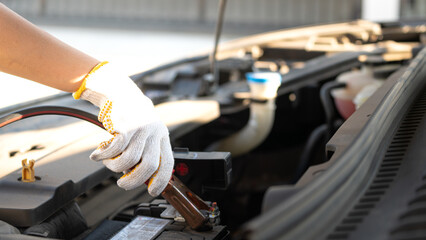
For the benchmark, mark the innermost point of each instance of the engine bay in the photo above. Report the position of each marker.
(232, 142)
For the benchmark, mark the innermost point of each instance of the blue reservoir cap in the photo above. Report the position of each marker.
(264, 77)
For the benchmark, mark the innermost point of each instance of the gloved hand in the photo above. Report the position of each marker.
(140, 146)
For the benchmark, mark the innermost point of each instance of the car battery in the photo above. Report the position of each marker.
(150, 228)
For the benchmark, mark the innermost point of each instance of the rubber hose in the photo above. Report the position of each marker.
(328, 105)
(309, 148)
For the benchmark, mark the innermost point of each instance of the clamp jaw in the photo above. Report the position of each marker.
(195, 211)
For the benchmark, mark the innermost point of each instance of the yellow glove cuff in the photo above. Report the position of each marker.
(82, 87)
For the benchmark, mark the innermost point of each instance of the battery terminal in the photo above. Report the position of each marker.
(214, 214)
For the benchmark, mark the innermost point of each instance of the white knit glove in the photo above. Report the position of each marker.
(140, 146)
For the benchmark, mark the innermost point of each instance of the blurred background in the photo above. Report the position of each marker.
(139, 34)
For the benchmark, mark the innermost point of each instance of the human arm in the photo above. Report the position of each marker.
(140, 146)
(29, 52)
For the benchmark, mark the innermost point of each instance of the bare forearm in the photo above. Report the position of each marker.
(31, 53)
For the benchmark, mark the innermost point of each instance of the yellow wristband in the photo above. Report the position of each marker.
(82, 87)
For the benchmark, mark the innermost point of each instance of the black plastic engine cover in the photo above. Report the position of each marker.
(64, 175)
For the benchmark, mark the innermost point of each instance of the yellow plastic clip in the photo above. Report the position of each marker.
(28, 171)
